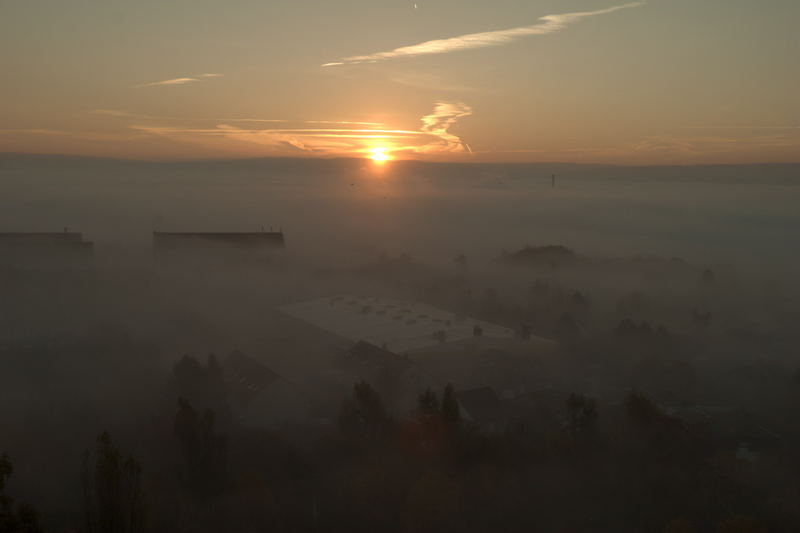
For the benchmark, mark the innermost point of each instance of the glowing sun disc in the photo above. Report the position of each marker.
(379, 155)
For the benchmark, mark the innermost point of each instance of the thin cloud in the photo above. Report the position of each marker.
(432, 138)
(299, 131)
(438, 124)
(174, 81)
(272, 120)
(117, 113)
(344, 122)
(547, 24)
(265, 120)
(181, 81)
(120, 114)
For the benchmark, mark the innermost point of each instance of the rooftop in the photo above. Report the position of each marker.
(241, 239)
(40, 238)
(396, 325)
(247, 376)
(371, 359)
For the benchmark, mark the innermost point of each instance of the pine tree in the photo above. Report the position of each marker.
(581, 414)
(23, 519)
(364, 417)
(451, 411)
(203, 451)
(428, 402)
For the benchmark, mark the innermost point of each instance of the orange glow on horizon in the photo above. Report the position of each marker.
(380, 155)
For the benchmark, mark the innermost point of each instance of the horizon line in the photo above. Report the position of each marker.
(432, 161)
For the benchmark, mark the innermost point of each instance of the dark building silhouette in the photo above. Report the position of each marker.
(261, 397)
(43, 248)
(219, 245)
(247, 377)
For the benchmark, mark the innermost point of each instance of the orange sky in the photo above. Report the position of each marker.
(662, 81)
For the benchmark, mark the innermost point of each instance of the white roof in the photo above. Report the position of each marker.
(396, 325)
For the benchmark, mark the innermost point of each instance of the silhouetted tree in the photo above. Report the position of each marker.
(581, 414)
(428, 402)
(364, 418)
(203, 451)
(451, 412)
(641, 409)
(202, 385)
(112, 488)
(23, 519)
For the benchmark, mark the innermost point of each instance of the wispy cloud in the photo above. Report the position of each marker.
(264, 120)
(344, 122)
(438, 124)
(352, 138)
(546, 24)
(181, 81)
(173, 81)
(120, 114)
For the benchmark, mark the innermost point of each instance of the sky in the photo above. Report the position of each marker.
(601, 81)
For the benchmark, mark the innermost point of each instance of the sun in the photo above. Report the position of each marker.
(380, 155)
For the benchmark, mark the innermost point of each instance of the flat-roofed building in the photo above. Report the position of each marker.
(400, 326)
(42, 248)
(370, 362)
(216, 247)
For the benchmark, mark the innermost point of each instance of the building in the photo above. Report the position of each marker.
(397, 378)
(230, 244)
(372, 363)
(246, 377)
(399, 326)
(262, 398)
(45, 248)
(402, 347)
